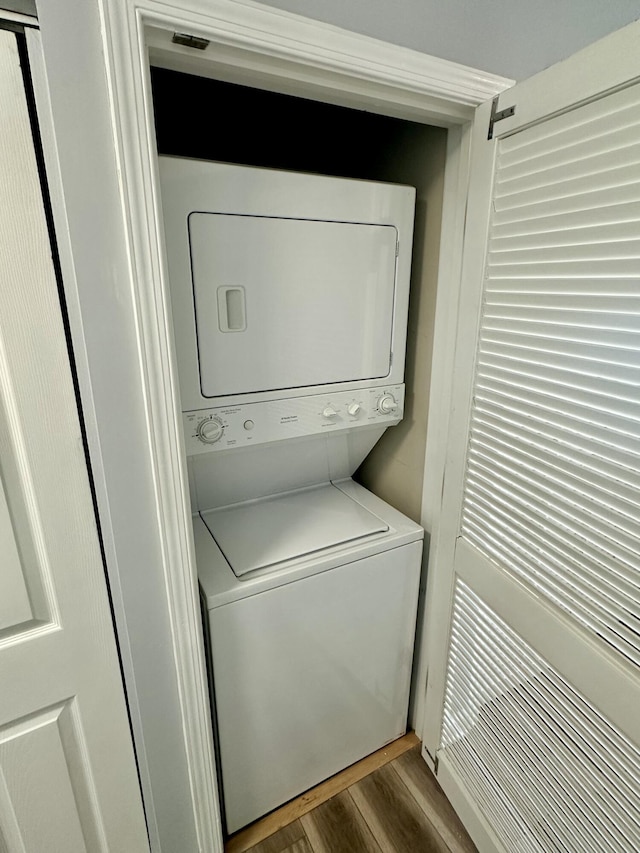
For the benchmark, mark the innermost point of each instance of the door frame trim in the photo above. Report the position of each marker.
(278, 50)
(18, 18)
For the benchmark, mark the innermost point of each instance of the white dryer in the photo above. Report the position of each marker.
(289, 295)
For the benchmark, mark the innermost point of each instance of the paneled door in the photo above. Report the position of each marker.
(533, 703)
(68, 780)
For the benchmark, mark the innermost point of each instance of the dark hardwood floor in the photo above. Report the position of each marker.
(399, 808)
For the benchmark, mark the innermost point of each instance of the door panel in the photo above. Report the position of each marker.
(46, 796)
(550, 770)
(68, 779)
(535, 690)
(15, 606)
(553, 500)
(322, 291)
(25, 589)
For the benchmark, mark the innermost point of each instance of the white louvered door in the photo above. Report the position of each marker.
(533, 705)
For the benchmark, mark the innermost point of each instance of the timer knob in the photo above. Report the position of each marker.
(329, 412)
(210, 430)
(354, 409)
(387, 404)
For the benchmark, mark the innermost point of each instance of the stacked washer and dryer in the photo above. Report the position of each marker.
(289, 296)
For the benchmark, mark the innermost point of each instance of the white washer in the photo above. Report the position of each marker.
(289, 297)
(310, 600)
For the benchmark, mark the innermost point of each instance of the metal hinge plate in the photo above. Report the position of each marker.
(190, 41)
(498, 115)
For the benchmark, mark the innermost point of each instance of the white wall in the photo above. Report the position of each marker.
(23, 7)
(514, 38)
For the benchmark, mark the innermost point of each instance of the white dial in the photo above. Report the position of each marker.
(210, 430)
(329, 412)
(387, 404)
(354, 409)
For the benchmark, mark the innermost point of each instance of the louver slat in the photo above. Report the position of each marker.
(615, 177)
(565, 225)
(552, 486)
(597, 124)
(554, 170)
(618, 136)
(606, 243)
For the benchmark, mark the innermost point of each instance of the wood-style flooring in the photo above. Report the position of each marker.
(397, 808)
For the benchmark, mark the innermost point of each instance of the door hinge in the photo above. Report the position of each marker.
(432, 758)
(498, 115)
(190, 41)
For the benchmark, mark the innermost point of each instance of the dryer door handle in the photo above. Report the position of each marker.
(232, 312)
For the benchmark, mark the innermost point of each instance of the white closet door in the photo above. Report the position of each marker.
(68, 781)
(533, 717)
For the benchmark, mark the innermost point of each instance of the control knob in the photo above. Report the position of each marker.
(353, 409)
(210, 430)
(387, 404)
(329, 412)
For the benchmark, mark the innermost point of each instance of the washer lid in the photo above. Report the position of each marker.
(268, 531)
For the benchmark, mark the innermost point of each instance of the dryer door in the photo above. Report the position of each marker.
(287, 303)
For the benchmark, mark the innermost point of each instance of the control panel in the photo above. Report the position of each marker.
(246, 424)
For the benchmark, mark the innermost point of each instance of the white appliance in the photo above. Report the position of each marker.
(289, 295)
(312, 659)
(284, 283)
